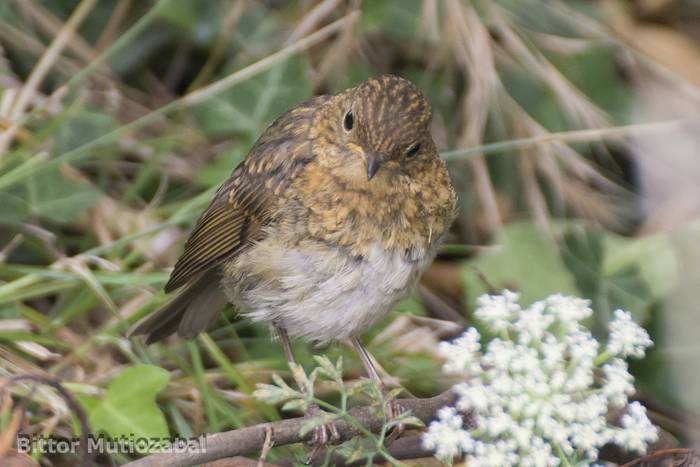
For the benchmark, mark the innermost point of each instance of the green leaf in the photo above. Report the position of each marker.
(323, 419)
(395, 18)
(251, 106)
(412, 306)
(129, 407)
(526, 259)
(50, 196)
(272, 394)
(410, 420)
(295, 405)
(327, 369)
(656, 256)
(366, 387)
(356, 449)
(586, 253)
(83, 127)
(215, 173)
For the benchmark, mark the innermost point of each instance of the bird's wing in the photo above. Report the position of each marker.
(247, 201)
(234, 217)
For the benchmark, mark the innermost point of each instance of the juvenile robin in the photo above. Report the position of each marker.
(324, 226)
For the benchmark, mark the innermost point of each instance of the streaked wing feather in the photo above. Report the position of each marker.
(243, 205)
(223, 230)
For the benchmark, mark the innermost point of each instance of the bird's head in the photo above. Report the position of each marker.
(382, 125)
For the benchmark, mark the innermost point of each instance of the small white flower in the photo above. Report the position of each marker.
(462, 354)
(498, 422)
(532, 323)
(446, 436)
(474, 397)
(539, 455)
(570, 311)
(637, 431)
(627, 338)
(497, 311)
(582, 346)
(618, 383)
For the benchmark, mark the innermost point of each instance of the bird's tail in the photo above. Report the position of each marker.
(189, 313)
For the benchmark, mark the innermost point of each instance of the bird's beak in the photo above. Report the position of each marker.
(374, 161)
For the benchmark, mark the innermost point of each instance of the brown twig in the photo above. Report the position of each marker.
(250, 439)
(659, 454)
(267, 445)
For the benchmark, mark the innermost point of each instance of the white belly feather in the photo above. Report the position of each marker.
(319, 293)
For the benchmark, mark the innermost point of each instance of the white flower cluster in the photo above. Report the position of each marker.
(538, 394)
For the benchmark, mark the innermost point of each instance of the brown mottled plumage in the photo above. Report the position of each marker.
(326, 224)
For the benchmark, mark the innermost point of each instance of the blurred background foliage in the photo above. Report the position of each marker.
(570, 129)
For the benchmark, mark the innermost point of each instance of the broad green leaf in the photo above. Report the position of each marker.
(50, 196)
(395, 18)
(84, 127)
(218, 170)
(525, 259)
(254, 104)
(655, 256)
(129, 407)
(586, 253)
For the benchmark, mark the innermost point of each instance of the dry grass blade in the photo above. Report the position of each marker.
(201, 95)
(578, 106)
(317, 14)
(51, 26)
(233, 15)
(42, 68)
(477, 61)
(192, 99)
(115, 21)
(573, 136)
(20, 40)
(67, 396)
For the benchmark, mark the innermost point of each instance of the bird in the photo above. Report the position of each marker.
(323, 227)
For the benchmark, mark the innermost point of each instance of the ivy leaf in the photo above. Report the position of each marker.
(526, 259)
(129, 407)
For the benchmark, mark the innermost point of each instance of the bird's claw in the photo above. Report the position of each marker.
(324, 434)
(392, 411)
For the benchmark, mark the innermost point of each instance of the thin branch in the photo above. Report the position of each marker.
(656, 455)
(250, 439)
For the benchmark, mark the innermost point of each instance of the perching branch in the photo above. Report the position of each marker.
(250, 439)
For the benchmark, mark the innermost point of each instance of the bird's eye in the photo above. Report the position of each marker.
(413, 150)
(348, 121)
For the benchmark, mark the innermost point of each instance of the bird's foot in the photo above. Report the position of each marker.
(392, 411)
(323, 434)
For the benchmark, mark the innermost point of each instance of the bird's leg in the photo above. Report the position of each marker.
(393, 408)
(322, 433)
